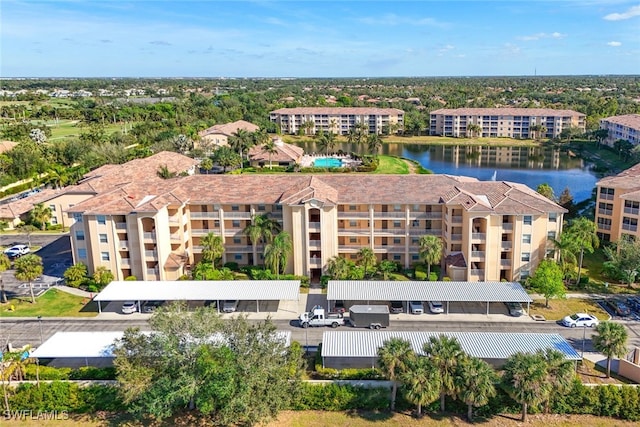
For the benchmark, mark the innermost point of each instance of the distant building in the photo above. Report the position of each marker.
(338, 120)
(503, 122)
(618, 205)
(286, 155)
(218, 135)
(625, 127)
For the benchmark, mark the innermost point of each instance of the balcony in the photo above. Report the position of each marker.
(125, 262)
(151, 254)
(348, 249)
(232, 231)
(606, 196)
(604, 226)
(478, 236)
(355, 231)
(389, 248)
(149, 236)
(153, 271)
(456, 237)
(478, 254)
(354, 214)
(425, 215)
(505, 263)
(123, 245)
(174, 220)
(456, 219)
(175, 237)
(477, 272)
(315, 244)
(237, 215)
(605, 211)
(204, 215)
(200, 231)
(430, 232)
(314, 226)
(377, 214)
(506, 245)
(238, 248)
(121, 225)
(390, 231)
(507, 226)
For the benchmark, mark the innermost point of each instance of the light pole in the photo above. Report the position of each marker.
(40, 324)
(584, 333)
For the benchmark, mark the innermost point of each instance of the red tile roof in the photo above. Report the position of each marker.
(538, 112)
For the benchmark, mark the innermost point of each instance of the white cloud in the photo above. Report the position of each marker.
(614, 44)
(392, 19)
(555, 35)
(630, 13)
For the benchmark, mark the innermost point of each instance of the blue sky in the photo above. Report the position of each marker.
(98, 38)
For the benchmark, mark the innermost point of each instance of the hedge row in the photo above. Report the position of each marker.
(65, 396)
(33, 372)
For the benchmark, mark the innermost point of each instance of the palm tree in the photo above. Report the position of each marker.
(473, 129)
(422, 381)
(270, 148)
(560, 373)
(240, 141)
(5, 264)
(430, 251)
(567, 248)
(524, 379)
(611, 340)
(339, 268)
(277, 253)
(367, 258)
(583, 232)
(212, 248)
(206, 164)
(475, 383)
(326, 141)
(445, 354)
(393, 357)
(28, 268)
(374, 143)
(40, 214)
(261, 229)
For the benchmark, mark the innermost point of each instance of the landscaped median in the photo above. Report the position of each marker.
(52, 303)
(559, 308)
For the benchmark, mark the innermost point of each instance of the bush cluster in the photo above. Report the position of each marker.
(333, 397)
(83, 373)
(65, 396)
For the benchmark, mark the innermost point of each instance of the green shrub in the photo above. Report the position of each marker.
(31, 373)
(99, 398)
(231, 265)
(334, 397)
(55, 396)
(420, 275)
(347, 374)
(93, 373)
(433, 277)
(52, 227)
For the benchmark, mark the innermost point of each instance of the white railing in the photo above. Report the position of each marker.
(124, 244)
(505, 262)
(153, 271)
(478, 236)
(351, 249)
(149, 236)
(507, 226)
(506, 245)
(456, 219)
(354, 230)
(211, 215)
(477, 272)
(237, 215)
(121, 225)
(175, 236)
(377, 214)
(348, 214)
(314, 244)
(151, 254)
(125, 262)
(238, 248)
(393, 231)
(174, 220)
(314, 226)
(456, 237)
(477, 254)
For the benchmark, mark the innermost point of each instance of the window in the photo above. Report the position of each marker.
(630, 224)
(104, 256)
(551, 234)
(528, 220)
(353, 223)
(235, 223)
(352, 207)
(235, 208)
(396, 224)
(79, 235)
(397, 257)
(77, 217)
(606, 193)
(52, 208)
(396, 241)
(415, 257)
(415, 241)
(353, 240)
(54, 220)
(397, 208)
(102, 220)
(237, 240)
(238, 257)
(524, 274)
(526, 257)
(415, 223)
(526, 238)
(631, 207)
(605, 208)
(262, 208)
(353, 256)
(103, 238)
(82, 253)
(553, 217)
(604, 223)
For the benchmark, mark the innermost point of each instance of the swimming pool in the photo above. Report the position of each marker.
(327, 162)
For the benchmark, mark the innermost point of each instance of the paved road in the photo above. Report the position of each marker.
(21, 332)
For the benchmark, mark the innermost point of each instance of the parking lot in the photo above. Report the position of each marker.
(622, 307)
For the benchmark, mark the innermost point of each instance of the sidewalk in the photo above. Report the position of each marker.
(74, 291)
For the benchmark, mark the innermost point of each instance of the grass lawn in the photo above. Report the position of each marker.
(559, 308)
(53, 303)
(392, 165)
(592, 267)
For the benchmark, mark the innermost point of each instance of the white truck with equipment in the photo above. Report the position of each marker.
(319, 317)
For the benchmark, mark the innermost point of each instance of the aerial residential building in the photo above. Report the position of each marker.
(625, 127)
(504, 122)
(219, 134)
(338, 120)
(618, 205)
(152, 228)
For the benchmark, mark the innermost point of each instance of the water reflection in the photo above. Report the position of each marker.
(531, 166)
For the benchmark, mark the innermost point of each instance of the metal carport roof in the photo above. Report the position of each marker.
(484, 345)
(201, 290)
(379, 290)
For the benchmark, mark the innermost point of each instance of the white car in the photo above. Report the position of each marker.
(17, 251)
(129, 307)
(416, 307)
(436, 307)
(581, 320)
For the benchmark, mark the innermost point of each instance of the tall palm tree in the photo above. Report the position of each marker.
(5, 264)
(40, 214)
(374, 143)
(473, 129)
(445, 354)
(422, 382)
(567, 248)
(583, 232)
(326, 141)
(525, 380)
(270, 148)
(475, 383)
(212, 248)
(560, 373)
(261, 229)
(393, 358)
(367, 258)
(277, 253)
(28, 268)
(339, 268)
(430, 251)
(611, 340)
(240, 141)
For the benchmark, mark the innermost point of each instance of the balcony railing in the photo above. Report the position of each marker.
(315, 262)
(349, 248)
(125, 262)
(506, 245)
(478, 236)
(507, 226)
(149, 236)
(359, 231)
(393, 231)
(456, 219)
(238, 248)
(505, 263)
(207, 215)
(174, 219)
(377, 214)
(153, 271)
(348, 214)
(151, 254)
(175, 236)
(477, 272)
(314, 226)
(477, 254)
(237, 215)
(201, 231)
(121, 225)
(124, 244)
(315, 244)
(425, 215)
(606, 196)
(389, 248)
(456, 237)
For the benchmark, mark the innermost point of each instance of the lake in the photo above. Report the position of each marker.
(531, 166)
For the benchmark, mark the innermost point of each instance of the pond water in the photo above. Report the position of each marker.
(531, 166)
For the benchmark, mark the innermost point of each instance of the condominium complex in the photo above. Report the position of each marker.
(625, 127)
(618, 205)
(504, 122)
(152, 228)
(338, 120)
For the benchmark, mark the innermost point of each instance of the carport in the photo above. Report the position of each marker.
(200, 290)
(359, 349)
(68, 348)
(379, 290)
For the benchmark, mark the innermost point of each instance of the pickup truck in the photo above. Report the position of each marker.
(319, 317)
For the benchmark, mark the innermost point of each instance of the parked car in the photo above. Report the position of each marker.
(515, 309)
(150, 306)
(338, 307)
(396, 307)
(17, 251)
(129, 307)
(619, 308)
(416, 307)
(229, 306)
(211, 303)
(436, 307)
(581, 320)
(634, 303)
